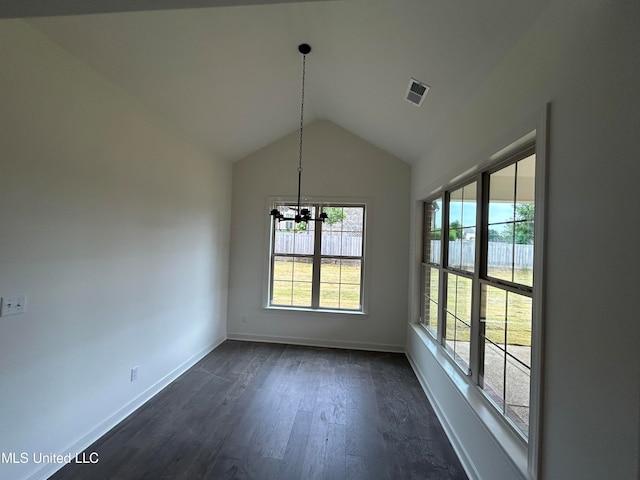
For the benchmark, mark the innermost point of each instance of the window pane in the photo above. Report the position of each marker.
(517, 388)
(302, 269)
(525, 191)
(329, 295)
(519, 317)
(292, 281)
(500, 254)
(350, 296)
(455, 228)
(330, 271)
(292, 237)
(462, 227)
(351, 244)
(469, 206)
(301, 294)
(354, 219)
(350, 271)
(468, 233)
(436, 210)
(282, 292)
(334, 222)
(493, 314)
(342, 232)
(303, 238)
(432, 316)
(435, 255)
(434, 279)
(458, 325)
(455, 208)
(433, 230)
(493, 373)
(506, 317)
(301, 285)
(459, 296)
(455, 247)
(501, 195)
(283, 268)
(511, 227)
(458, 340)
(429, 314)
(340, 283)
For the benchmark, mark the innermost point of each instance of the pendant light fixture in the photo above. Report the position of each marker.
(302, 214)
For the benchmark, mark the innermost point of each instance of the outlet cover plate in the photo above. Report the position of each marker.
(13, 305)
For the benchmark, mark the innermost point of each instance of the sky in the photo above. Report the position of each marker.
(498, 212)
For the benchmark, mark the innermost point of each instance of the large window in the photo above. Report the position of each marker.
(431, 263)
(318, 265)
(478, 277)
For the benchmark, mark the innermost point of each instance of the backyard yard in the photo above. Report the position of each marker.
(339, 283)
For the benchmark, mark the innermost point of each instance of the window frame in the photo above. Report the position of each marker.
(317, 258)
(523, 451)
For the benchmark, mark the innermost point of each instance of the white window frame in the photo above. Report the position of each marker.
(524, 452)
(317, 257)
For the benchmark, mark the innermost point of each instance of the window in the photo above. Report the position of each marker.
(431, 264)
(507, 290)
(460, 267)
(477, 284)
(318, 265)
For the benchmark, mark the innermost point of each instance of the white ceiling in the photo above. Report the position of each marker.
(229, 77)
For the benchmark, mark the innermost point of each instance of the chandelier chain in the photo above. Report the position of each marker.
(304, 61)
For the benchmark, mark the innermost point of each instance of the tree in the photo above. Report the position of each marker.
(522, 232)
(455, 231)
(495, 235)
(335, 214)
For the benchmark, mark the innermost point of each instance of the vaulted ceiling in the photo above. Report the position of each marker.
(228, 77)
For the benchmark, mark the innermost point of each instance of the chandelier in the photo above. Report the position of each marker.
(302, 214)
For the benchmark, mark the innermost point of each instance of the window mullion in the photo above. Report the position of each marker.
(444, 263)
(482, 233)
(317, 260)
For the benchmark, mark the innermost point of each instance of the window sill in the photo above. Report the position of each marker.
(316, 311)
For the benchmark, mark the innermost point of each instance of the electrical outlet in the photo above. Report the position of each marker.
(13, 305)
(134, 374)
(244, 319)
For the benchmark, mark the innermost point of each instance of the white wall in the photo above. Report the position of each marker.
(116, 230)
(336, 164)
(583, 57)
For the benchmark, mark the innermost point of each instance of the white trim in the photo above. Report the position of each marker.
(525, 455)
(539, 285)
(325, 312)
(368, 204)
(314, 342)
(110, 422)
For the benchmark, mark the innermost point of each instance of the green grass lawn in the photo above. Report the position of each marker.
(506, 313)
(339, 285)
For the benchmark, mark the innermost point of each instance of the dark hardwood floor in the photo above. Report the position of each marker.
(268, 411)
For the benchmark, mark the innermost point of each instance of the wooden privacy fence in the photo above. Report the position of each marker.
(331, 244)
(499, 253)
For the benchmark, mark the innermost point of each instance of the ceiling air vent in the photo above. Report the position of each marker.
(416, 91)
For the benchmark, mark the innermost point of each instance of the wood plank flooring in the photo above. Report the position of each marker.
(268, 411)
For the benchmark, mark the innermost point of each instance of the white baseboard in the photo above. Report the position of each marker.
(99, 430)
(314, 342)
(463, 456)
